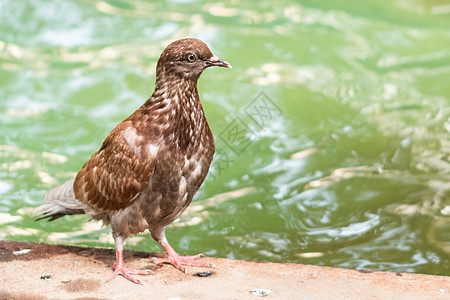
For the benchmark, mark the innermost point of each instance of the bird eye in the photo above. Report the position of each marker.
(191, 57)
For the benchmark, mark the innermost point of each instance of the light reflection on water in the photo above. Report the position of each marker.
(354, 172)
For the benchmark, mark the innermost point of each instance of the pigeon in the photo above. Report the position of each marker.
(149, 167)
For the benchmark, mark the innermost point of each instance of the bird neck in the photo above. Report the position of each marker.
(175, 94)
(177, 99)
(176, 103)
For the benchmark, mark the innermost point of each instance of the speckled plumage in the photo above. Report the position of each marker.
(149, 167)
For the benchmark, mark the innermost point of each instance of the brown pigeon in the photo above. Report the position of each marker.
(149, 167)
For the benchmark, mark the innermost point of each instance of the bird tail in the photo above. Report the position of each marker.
(59, 202)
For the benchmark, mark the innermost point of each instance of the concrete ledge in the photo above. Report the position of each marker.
(80, 273)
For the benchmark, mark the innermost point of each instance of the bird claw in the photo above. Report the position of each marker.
(127, 272)
(178, 261)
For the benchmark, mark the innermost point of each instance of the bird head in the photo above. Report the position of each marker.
(187, 59)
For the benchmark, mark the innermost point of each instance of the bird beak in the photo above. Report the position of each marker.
(215, 61)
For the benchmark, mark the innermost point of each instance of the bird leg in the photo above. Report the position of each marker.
(173, 258)
(119, 267)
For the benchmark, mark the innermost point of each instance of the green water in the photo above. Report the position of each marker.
(332, 128)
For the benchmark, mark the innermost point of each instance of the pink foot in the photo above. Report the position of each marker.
(173, 258)
(126, 272)
(177, 261)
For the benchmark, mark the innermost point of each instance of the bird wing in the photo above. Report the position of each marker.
(117, 173)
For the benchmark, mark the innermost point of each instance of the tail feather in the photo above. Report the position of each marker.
(59, 202)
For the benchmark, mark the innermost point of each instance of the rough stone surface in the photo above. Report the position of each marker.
(80, 273)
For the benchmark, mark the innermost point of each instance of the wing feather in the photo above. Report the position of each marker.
(117, 173)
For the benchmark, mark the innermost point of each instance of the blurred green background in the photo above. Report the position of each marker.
(342, 110)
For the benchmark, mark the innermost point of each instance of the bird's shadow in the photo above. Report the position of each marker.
(10, 250)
